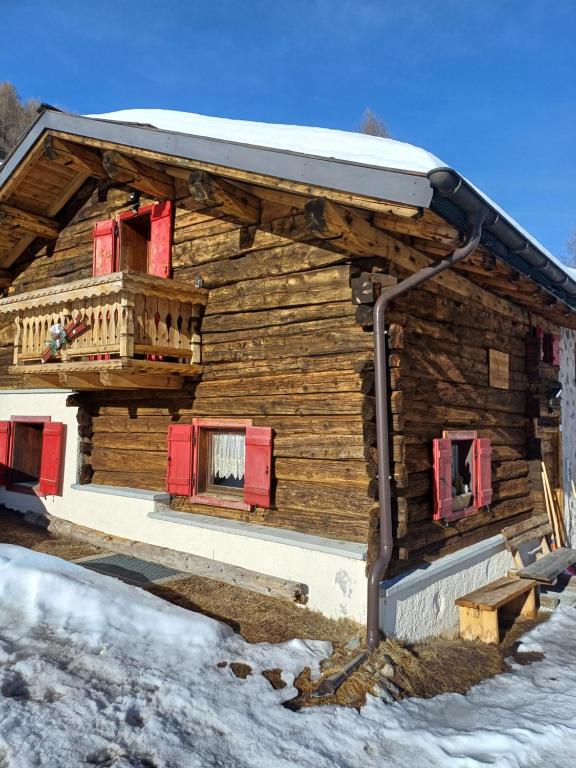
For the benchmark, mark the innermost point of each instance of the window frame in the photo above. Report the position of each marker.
(107, 240)
(205, 495)
(479, 445)
(121, 219)
(36, 489)
(184, 463)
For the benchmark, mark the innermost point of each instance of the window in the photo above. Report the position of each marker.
(138, 240)
(223, 463)
(462, 475)
(549, 347)
(31, 455)
(221, 457)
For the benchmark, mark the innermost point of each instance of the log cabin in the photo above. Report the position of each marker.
(310, 362)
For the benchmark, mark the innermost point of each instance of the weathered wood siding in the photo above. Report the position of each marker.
(280, 346)
(284, 345)
(439, 374)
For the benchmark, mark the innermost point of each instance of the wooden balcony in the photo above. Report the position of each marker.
(138, 331)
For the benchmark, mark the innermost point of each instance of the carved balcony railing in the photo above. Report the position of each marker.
(130, 330)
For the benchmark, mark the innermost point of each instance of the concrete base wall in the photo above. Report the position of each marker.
(420, 604)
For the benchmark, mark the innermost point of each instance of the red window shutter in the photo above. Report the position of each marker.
(160, 258)
(443, 503)
(5, 429)
(104, 236)
(483, 456)
(541, 343)
(179, 472)
(258, 466)
(555, 350)
(51, 465)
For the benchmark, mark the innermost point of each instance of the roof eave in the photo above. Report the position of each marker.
(455, 199)
(401, 187)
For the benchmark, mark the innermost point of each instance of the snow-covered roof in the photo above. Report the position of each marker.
(342, 146)
(319, 142)
(367, 166)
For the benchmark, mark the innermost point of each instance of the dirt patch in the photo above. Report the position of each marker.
(15, 530)
(240, 669)
(394, 671)
(274, 677)
(259, 619)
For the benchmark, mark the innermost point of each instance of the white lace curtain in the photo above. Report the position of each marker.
(227, 455)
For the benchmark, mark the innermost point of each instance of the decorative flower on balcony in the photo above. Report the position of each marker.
(60, 335)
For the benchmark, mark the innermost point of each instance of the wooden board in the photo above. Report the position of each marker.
(499, 363)
(546, 569)
(183, 561)
(496, 594)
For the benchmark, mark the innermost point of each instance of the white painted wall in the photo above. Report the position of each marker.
(568, 379)
(420, 604)
(413, 606)
(46, 402)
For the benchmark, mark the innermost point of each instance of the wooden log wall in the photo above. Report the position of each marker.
(439, 342)
(284, 345)
(281, 346)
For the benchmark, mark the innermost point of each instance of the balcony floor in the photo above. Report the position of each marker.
(108, 374)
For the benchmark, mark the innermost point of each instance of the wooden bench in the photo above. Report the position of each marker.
(528, 544)
(479, 610)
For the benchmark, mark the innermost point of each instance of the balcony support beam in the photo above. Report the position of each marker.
(121, 380)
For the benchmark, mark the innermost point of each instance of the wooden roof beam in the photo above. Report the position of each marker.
(32, 223)
(328, 220)
(207, 191)
(125, 170)
(426, 227)
(74, 156)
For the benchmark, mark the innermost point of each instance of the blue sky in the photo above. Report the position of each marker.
(487, 85)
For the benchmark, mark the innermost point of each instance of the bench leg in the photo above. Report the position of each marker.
(530, 607)
(524, 605)
(476, 624)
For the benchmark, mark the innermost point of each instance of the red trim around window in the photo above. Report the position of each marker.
(31, 419)
(481, 475)
(205, 498)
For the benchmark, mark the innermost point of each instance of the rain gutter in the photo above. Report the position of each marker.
(455, 199)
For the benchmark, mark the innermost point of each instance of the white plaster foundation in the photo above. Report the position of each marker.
(568, 379)
(413, 606)
(420, 604)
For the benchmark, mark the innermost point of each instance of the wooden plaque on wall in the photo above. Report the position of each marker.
(499, 363)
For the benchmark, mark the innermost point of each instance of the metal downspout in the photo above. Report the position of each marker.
(379, 566)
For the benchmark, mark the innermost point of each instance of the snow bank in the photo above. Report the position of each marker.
(318, 142)
(95, 672)
(38, 589)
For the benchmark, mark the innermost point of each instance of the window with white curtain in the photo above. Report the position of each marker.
(221, 461)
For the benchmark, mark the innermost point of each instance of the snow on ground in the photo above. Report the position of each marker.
(94, 672)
